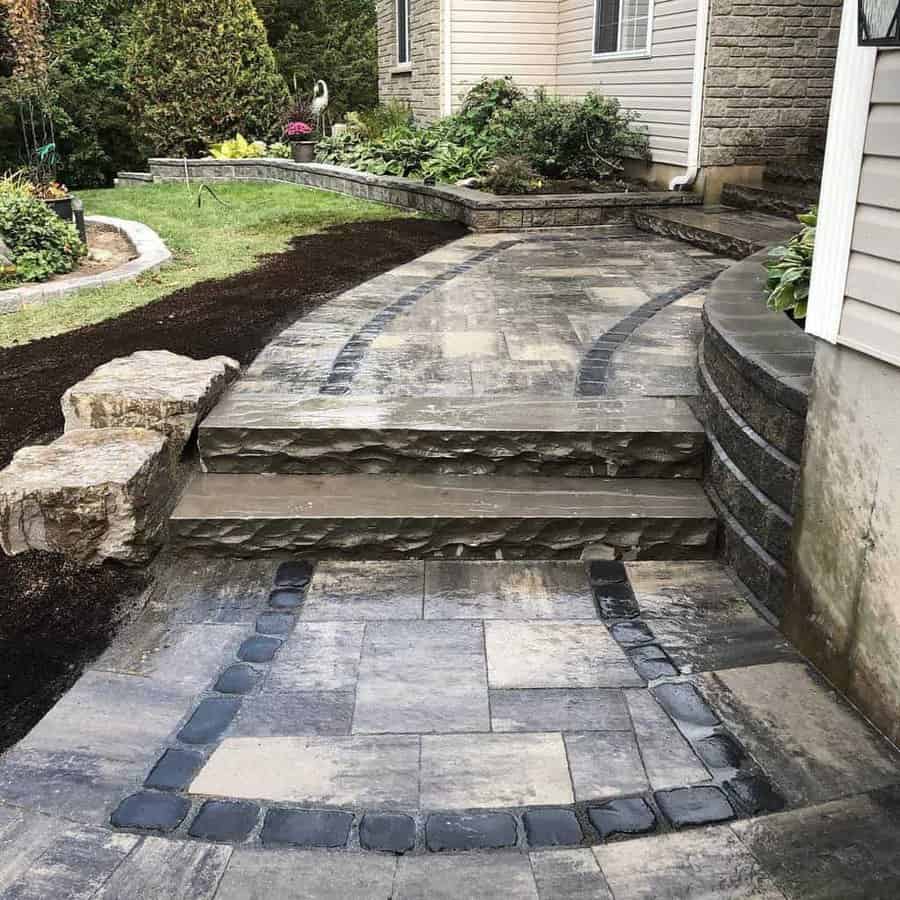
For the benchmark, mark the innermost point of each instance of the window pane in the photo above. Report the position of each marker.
(635, 24)
(402, 31)
(606, 37)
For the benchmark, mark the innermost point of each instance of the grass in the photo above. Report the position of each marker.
(207, 242)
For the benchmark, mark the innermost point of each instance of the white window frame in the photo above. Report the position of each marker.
(854, 74)
(402, 63)
(639, 53)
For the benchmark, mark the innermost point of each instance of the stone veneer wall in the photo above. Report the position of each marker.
(768, 79)
(755, 370)
(420, 85)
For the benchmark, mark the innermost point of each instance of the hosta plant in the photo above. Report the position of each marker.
(238, 148)
(790, 267)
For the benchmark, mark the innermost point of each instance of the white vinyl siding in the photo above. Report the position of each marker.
(870, 321)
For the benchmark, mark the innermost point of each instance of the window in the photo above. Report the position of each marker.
(402, 32)
(622, 26)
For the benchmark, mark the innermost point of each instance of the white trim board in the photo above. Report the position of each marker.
(853, 78)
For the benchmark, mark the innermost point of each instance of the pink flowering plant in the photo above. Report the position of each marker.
(298, 131)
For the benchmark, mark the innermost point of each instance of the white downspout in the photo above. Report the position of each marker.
(447, 58)
(683, 182)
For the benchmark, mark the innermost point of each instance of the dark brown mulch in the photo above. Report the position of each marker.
(56, 616)
(583, 186)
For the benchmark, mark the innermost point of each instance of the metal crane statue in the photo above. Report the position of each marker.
(320, 104)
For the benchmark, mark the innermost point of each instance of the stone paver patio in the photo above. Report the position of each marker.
(287, 727)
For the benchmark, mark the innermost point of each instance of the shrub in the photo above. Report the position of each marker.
(41, 243)
(479, 107)
(510, 175)
(199, 71)
(238, 148)
(790, 269)
(375, 123)
(566, 138)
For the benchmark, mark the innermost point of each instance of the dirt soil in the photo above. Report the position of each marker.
(583, 186)
(56, 616)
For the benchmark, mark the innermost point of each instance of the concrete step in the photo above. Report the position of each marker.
(719, 229)
(375, 516)
(280, 433)
(784, 201)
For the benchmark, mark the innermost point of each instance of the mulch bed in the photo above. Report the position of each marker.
(56, 616)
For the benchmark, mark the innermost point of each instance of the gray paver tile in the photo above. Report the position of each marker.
(809, 741)
(555, 654)
(507, 590)
(475, 876)
(494, 770)
(162, 869)
(307, 875)
(373, 770)
(705, 863)
(561, 709)
(422, 677)
(605, 764)
(668, 757)
(318, 656)
(568, 875)
(365, 590)
(845, 849)
(294, 713)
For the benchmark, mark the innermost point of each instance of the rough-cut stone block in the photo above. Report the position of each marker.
(90, 495)
(152, 389)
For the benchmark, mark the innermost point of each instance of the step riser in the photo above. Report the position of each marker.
(722, 244)
(765, 201)
(417, 538)
(341, 452)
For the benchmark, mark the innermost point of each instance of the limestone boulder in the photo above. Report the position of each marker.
(91, 495)
(152, 389)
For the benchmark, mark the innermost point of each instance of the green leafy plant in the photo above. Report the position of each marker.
(450, 163)
(198, 72)
(41, 243)
(481, 104)
(789, 269)
(280, 150)
(238, 147)
(510, 175)
(379, 121)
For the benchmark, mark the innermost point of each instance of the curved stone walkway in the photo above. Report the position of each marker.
(456, 728)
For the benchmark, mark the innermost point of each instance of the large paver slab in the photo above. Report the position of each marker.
(559, 709)
(505, 590)
(605, 764)
(808, 739)
(360, 591)
(475, 876)
(706, 863)
(555, 655)
(319, 656)
(417, 677)
(489, 771)
(373, 770)
(568, 875)
(307, 875)
(845, 849)
(289, 713)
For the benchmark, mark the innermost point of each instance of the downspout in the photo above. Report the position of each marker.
(447, 57)
(683, 182)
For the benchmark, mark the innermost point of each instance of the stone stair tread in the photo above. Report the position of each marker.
(285, 412)
(214, 496)
(785, 201)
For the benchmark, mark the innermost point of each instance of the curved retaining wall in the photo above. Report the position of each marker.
(478, 210)
(755, 374)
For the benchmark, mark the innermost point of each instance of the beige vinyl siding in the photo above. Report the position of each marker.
(658, 87)
(870, 321)
(503, 37)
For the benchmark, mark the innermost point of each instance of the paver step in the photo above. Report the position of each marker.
(376, 516)
(730, 232)
(785, 201)
(280, 433)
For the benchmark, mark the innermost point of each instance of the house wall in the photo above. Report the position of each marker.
(658, 88)
(418, 84)
(844, 610)
(768, 79)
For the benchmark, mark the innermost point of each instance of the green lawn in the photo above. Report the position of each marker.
(210, 241)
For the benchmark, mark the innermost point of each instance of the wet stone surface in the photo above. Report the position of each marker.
(149, 811)
(208, 721)
(259, 649)
(694, 806)
(272, 623)
(552, 827)
(237, 680)
(475, 831)
(175, 770)
(224, 821)
(684, 704)
(387, 832)
(630, 815)
(306, 828)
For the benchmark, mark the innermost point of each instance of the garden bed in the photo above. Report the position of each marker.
(55, 616)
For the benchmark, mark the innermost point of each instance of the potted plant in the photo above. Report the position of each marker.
(300, 133)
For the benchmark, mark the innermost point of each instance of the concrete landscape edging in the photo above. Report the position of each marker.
(151, 254)
(479, 210)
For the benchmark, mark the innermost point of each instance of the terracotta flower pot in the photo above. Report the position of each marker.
(304, 151)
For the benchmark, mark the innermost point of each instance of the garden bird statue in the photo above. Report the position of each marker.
(320, 103)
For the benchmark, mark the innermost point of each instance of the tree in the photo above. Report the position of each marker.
(198, 72)
(330, 39)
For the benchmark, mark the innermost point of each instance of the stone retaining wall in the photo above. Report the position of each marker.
(755, 368)
(478, 210)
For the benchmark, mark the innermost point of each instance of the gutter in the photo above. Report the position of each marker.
(686, 181)
(446, 37)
